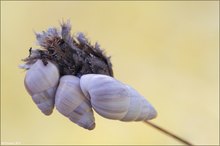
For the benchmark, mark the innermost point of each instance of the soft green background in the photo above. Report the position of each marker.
(168, 51)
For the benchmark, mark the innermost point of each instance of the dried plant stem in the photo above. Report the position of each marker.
(169, 133)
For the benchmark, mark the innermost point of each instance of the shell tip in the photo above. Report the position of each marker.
(152, 114)
(91, 127)
(48, 112)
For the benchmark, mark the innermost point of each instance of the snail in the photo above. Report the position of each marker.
(114, 100)
(71, 102)
(41, 83)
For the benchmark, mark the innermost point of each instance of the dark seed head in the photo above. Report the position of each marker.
(73, 55)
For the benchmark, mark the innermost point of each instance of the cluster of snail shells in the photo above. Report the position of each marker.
(75, 97)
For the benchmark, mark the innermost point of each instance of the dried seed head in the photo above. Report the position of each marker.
(74, 55)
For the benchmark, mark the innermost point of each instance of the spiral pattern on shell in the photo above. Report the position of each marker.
(41, 83)
(71, 102)
(114, 100)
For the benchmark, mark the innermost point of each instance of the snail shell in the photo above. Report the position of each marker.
(115, 100)
(71, 102)
(41, 83)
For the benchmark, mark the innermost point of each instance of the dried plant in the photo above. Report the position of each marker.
(65, 72)
(74, 55)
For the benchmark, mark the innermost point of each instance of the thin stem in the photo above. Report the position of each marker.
(169, 133)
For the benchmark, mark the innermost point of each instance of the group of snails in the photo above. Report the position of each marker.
(76, 97)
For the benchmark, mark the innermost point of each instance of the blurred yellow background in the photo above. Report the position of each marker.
(168, 51)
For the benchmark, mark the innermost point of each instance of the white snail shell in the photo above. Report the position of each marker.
(41, 83)
(115, 100)
(71, 102)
